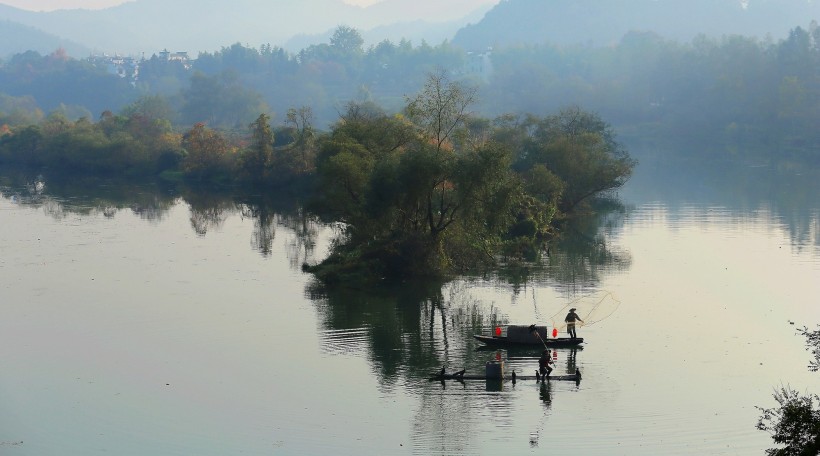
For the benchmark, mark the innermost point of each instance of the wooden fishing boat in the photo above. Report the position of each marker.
(505, 342)
(520, 336)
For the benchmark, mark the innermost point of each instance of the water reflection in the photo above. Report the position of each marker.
(770, 191)
(545, 394)
(405, 332)
(580, 257)
(305, 228)
(268, 213)
(572, 355)
(208, 210)
(61, 195)
(576, 260)
(264, 228)
(409, 332)
(583, 256)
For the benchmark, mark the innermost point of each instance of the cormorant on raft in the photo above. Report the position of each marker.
(462, 376)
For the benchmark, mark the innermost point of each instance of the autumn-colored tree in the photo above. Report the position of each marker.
(207, 154)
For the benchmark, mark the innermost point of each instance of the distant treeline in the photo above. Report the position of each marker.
(733, 97)
(141, 142)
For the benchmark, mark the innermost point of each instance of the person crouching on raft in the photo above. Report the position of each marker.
(544, 364)
(570, 320)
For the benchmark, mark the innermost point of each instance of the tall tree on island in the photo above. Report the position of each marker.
(419, 199)
(255, 161)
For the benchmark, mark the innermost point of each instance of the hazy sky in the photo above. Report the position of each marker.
(48, 5)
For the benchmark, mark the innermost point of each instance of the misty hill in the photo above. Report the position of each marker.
(16, 38)
(603, 22)
(414, 31)
(206, 25)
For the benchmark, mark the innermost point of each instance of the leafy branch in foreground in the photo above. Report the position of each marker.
(796, 423)
(813, 344)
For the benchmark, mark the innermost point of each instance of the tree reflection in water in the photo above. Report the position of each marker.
(208, 210)
(60, 195)
(406, 331)
(579, 258)
(264, 228)
(781, 191)
(305, 228)
(270, 213)
(411, 329)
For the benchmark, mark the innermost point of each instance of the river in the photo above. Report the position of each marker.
(139, 320)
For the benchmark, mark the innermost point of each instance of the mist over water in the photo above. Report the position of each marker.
(139, 320)
(143, 317)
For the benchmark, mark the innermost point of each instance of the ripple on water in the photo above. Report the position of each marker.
(344, 341)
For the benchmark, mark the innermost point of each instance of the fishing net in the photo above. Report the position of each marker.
(591, 308)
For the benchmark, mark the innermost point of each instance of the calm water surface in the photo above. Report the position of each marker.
(137, 321)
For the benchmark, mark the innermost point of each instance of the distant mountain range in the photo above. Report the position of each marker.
(603, 22)
(16, 38)
(148, 26)
(433, 33)
(207, 25)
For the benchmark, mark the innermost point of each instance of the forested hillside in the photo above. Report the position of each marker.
(604, 22)
(734, 97)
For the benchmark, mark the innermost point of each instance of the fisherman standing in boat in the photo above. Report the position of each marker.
(570, 320)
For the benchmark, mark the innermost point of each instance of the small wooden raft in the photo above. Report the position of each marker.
(461, 376)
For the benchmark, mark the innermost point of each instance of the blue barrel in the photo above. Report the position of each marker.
(494, 370)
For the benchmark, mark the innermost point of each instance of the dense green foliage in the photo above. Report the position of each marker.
(135, 144)
(220, 100)
(796, 423)
(571, 155)
(813, 344)
(436, 190)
